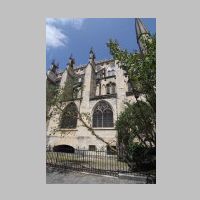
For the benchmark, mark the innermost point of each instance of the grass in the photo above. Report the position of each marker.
(96, 161)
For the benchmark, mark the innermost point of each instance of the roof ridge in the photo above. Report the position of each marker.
(97, 62)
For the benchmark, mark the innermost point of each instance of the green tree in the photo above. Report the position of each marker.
(51, 92)
(138, 121)
(141, 68)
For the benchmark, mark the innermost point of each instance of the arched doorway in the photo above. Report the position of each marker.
(64, 148)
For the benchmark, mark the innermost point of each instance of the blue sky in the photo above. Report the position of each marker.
(65, 36)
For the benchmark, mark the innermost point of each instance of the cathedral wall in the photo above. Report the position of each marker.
(93, 83)
(79, 141)
(80, 137)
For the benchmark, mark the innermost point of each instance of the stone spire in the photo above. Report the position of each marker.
(71, 61)
(91, 55)
(141, 33)
(52, 73)
(54, 66)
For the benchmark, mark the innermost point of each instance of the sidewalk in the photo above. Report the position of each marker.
(68, 177)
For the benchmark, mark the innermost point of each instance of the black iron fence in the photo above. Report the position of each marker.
(90, 161)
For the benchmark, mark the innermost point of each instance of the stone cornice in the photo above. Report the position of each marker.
(104, 128)
(107, 96)
(96, 63)
(107, 77)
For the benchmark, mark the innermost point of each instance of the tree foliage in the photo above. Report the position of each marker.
(136, 125)
(141, 68)
(51, 93)
(131, 124)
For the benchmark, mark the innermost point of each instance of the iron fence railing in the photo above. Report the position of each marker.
(90, 161)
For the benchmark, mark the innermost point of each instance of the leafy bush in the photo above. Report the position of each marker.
(141, 158)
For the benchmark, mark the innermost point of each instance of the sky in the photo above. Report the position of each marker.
(66, 36)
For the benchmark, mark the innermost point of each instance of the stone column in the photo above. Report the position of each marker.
(120, 88)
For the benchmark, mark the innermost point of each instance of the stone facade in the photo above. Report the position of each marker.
(102, 81)
(94, 90)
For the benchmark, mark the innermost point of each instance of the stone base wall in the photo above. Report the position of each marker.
(82, 138)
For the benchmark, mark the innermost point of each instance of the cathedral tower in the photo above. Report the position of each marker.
(141, 34)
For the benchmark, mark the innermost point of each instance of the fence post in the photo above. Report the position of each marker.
(56, 158)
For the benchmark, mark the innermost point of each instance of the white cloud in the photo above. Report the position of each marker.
(55, 37)
(74, 22)
(54, 34)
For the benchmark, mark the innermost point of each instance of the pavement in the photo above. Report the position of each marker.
(63, 176)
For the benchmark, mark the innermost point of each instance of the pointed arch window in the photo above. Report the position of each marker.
(102, 115)
(109, 73)
(112, 72)
(69, 117)
(108, 88)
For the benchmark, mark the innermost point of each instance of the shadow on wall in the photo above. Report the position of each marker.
(64, 148)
